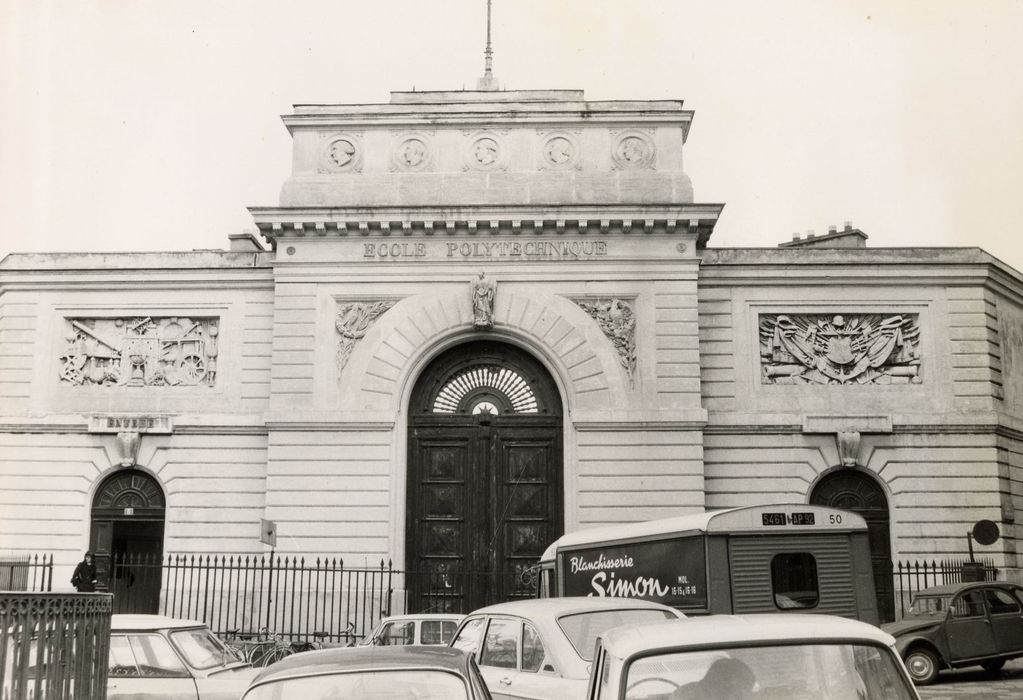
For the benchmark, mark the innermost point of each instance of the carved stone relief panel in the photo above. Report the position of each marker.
(618, 322)
(352, 323)
(840, 348)
(140, 351)
(341, 153)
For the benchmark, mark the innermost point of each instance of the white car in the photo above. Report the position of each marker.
(543, 648)
(427, 629)
(157, 657)
(754, 657)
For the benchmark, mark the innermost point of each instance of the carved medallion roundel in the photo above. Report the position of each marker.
(633, 150)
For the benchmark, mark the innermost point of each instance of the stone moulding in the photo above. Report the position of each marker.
(843, 349)
(352, 322)
(618, 322)
(140, 351)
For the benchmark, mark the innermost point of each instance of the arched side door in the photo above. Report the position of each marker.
(484, 477)
(126, 538)
(854, 490)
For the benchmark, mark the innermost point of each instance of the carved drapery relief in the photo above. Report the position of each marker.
(483, 293)
(618, 322)
(840, 349)
(352, 322)
(140, 351)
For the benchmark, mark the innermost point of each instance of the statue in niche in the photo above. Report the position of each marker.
(483, 291)
(838, 349)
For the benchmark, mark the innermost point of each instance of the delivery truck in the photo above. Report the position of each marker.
(767, 558)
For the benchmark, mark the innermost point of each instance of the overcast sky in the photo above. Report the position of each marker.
(137, 125)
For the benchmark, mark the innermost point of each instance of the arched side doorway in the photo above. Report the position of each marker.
(484, 476)
(854, 490)
(126, 537)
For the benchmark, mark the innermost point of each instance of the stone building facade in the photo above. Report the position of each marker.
(478, 320)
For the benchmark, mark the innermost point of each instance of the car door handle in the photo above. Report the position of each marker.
(505, 681)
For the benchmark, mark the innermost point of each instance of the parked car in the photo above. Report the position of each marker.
(542, 648)
(156, 657)
(964, 624)
(425, 629)
(372, 673)
(774, 656)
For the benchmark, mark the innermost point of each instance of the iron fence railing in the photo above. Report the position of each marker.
(54, 646)
(26, 572)
(291, 596)
(913, 576)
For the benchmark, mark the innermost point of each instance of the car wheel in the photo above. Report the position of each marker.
(993, 665)
(922, 664)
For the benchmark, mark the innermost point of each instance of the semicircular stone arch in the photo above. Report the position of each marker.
(553, 327)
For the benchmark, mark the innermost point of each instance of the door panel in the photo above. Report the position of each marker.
(1006, 620)
(968, 628)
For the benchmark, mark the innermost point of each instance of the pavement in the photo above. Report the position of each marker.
(975, 683)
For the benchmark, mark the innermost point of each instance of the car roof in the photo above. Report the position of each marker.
(563, 606)
(952, 588)
(347, 659)
(727, 630)
(150, 622)
(424, 617)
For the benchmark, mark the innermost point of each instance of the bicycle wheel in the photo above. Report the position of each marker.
(276, 654)
(257, 653)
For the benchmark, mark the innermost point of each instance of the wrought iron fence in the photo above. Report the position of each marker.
(54, 646)
(26, 572)
(293, 597)
(911, 577)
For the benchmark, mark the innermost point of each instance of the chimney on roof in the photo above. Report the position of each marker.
(848, 237)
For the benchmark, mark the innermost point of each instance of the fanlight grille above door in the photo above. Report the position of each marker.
(486, 389)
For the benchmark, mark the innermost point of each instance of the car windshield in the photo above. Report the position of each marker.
(202, 649)
(582, 629)
(806, 671)
(366, 685)
(930, 605)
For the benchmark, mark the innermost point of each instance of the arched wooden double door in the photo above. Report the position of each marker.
(851, 489)
(484, 477)
(126, 539)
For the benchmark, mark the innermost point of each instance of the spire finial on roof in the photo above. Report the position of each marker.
(488, 81)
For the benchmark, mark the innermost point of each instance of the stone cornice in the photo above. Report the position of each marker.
(593, 219)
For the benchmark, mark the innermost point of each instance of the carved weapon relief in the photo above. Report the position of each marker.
(352, 322)
(618, 322)
(140, 351)
(837, 349)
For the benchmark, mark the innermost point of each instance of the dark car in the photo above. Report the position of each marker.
(964, 624)
(372, 673)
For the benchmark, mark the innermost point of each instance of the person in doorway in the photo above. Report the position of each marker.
(84, 578)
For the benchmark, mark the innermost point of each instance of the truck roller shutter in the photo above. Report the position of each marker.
(749, 561)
